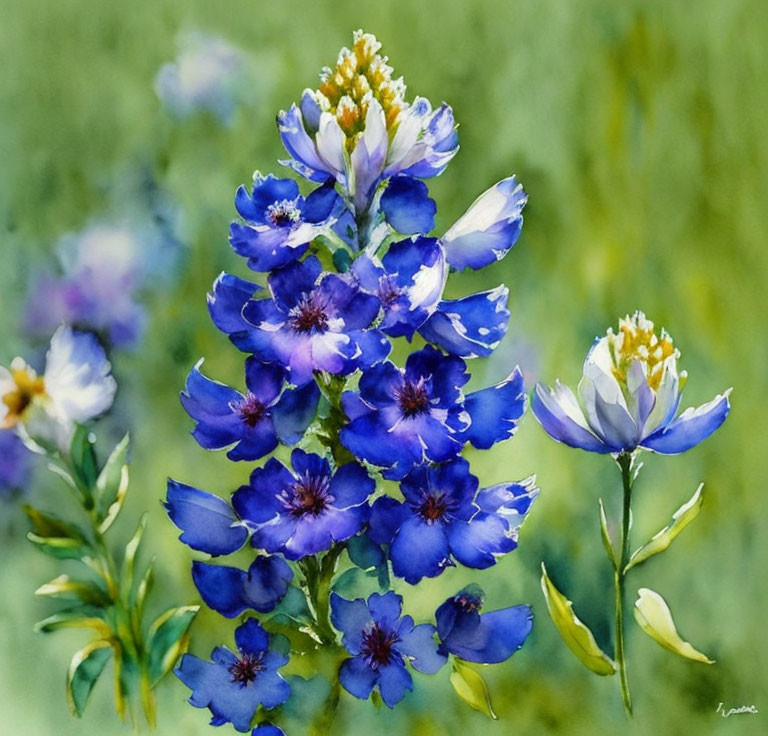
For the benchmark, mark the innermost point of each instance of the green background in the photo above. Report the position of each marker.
(638, 130)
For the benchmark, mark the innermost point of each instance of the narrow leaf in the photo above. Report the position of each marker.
(112, 478)
(607, 541)
(142, 591)
(63, 548)
(84, 670)
(86, 617)
(167, 639)
(574, 632)
(65, 587)
(471, 688)
(680, 519)
(83, 454)
(129, 560)
(655, 619)
(49, 525)
(117, 504)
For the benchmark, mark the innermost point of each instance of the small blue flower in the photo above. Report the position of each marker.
(302, 512)
(409, 283)
(381, 641)
(439, 520)
(254, 422)
(207, 522)
(280, 223)
(470, 327)
(628, 397)
(485, 638)
(313, 324)
(489, 228)
(230, 591)
(234, 686)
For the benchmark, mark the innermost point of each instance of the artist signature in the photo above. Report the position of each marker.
(735, 711)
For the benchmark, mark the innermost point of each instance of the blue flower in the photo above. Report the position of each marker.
(230, 591)
(439, 520)
(313, 324)
(253, 422)
(628, 397)
(403, 418)
(302, 512)
(15, 463)
(470, 327)
(207, 522)
(409, 283)
(234, 686)
(510, 502)
(489, 228)
(485, 638)
(267, 729)
(358, 128)
(280, 223)
(381, 641)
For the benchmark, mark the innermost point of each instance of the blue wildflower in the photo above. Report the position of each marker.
(234, 686)
(279, 222)
(302, 512)
(489, 228)
(254, 422)
(230, 591)
(381, 641)
(402, 418)
(313, 323)
(207, 522)
(358, 128)
(485, 638)
(629, 395)
(439, 520)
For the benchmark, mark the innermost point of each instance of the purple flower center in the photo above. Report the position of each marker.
(468, 603)
(377, 645)
(308, 495)
(251, 410)
(283, 213)
(309, 314)
(246, 669)
(388, 291)
(412, 398)
(433, 507)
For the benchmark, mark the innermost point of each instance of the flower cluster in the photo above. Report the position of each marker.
(350, 267)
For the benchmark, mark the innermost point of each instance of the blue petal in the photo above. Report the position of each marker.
(300, 146)
(690, 428)
(448, 374)
(267, 729)
(357, 678)
(256, 442)
(265, 249)
(251, 638)
(310, 112)
(495, 411)
(470, 327)
(561, 427)
(387, 516)
(476, 543)
(294, 412)
(270, 189)
(205, 520)
(320, 203)
(351, 486)
(289, 284)
(256, 503)
(495, 638)
(350, 618)
(419, 550)
(220, 587)
(309, 463)
(386, 608)
(264, 380)
(266, 582)
(378, 384)
(420, 647)
(226, 302)
(407, 206)
(373, 347)
(394, 681)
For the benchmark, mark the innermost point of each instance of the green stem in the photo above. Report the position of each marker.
(625, 464)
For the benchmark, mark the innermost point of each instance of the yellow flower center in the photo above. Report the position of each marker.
(637, 340)
(361, 74)
(28, 386)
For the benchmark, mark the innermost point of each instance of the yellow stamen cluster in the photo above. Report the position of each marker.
(28, 386)
(361, 74)
(637, 340)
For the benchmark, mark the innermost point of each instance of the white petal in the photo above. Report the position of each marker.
(330, 141)
(667, 397)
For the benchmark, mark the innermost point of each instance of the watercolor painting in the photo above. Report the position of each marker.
(383, 369)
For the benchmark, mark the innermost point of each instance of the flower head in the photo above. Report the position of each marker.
(628, 397)
(358, 128)
(381, 641)
(303, 511)
(234, 685)
(485, 638)
(75, 387)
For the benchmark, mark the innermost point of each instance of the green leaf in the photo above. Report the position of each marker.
(65, 587)
(129, 560)
(574, 632)
(85, 668)
(471, 688)
(299, 636)
(680, 519)
(655, 619)
(112, 484)
(49, 525)
(63, 548)
(604, 533)
(81, 617)
(82, 452)
(167, 639)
